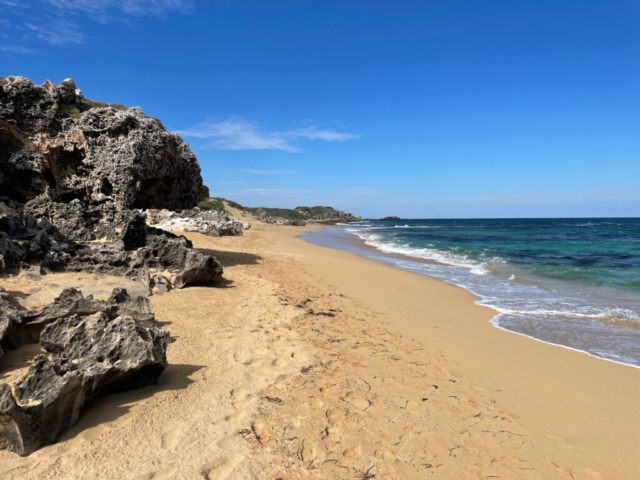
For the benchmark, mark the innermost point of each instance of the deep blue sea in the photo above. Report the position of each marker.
(570, 282)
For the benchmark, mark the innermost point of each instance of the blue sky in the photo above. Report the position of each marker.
(416, 108)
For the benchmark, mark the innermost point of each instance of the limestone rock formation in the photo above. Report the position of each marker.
(19, 326)
(207, 222)
(74, 173)
(53, 140)
(90, 356)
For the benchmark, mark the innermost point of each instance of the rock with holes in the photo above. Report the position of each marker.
(53, 139)
(207, 222)
(90, 356)
(198, 269)
(26, 326)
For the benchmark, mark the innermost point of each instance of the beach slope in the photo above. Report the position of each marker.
(316, 363)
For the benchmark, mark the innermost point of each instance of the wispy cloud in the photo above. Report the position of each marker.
(267, 172)
(59, 32)
(54, 21)
(236, 133)
(137, 8)
(273, 191)
(16, 49)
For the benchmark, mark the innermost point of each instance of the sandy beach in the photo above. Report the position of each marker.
(316, 363)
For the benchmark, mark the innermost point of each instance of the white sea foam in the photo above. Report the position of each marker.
(439, 256)
(589, 321)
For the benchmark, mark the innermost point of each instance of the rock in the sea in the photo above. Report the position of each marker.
(390, 218)
(90, 356)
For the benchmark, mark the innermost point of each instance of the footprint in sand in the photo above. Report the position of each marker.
(225, 467)
(170, 438)
(243, 358)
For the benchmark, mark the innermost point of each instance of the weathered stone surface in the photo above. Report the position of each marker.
(207, 222)
(161, 285)
(198, 269)
(10, 314)
(10, 254)
(51, 139)
(91, 356)
(66, 246)
(26, 326)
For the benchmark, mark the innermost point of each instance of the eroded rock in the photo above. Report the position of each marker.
(90, 356)
(52, 139)
(25, 326)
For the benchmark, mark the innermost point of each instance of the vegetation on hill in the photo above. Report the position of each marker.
(318, 213)
(98, 104)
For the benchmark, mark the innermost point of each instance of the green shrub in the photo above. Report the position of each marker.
(3, 81)
(212, 204)
(68, 111)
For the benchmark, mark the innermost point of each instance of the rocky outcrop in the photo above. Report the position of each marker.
(207, 222)
(73, 176)
(390, 218)
(53, 140)
(300, 216)
(101, 240)
(89, 356)
(326, 215)
(19, 326)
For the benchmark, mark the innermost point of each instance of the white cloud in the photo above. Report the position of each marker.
(16, 49)
(49, 20)
(136, 8)
(58, 32)
(267, 172)
(236, 133)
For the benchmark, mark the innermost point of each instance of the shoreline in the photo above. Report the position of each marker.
(542, 360)
(375, 254)
(313, 362)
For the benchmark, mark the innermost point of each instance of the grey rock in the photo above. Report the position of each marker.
(161, 285)
(90, 356)
(26, 326)
(207, 222)
(11, 254)
(92, 153)
(198, 269)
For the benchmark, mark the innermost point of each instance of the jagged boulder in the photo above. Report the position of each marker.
(90, 356)
(25, 326)
(52, 139)
(100, 239)
(198, 269)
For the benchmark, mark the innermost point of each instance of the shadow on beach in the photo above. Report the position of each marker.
(231, 259)
(114, 405)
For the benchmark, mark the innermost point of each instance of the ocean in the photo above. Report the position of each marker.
(570, 282)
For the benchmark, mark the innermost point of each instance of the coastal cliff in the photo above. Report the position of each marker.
(74, 176)
(283, 216)
(54, 140)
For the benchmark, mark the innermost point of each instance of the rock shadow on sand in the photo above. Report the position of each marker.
(231, 259)
(114, 405)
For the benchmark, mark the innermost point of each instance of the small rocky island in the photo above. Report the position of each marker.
(390, 219)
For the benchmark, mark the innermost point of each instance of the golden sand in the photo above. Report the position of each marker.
(317, 363)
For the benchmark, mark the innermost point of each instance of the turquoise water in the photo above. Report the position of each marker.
(571, 282)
